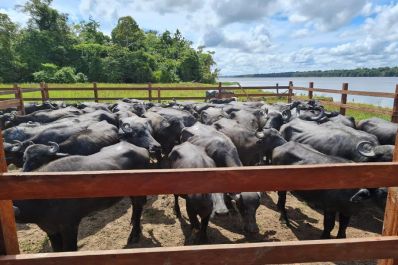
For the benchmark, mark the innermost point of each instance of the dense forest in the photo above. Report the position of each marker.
(359, 72)
(52, 49)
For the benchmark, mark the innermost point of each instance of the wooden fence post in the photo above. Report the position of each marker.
(95, 88)
(289, 98)
(8, 229)
(150, 91)
(18, 95)
(311, 92)
(343, 98)
(277, 89)
(394, 116)
(47, 95)
(159, 95)
(42, 91)
(219, 90)
(390, 224)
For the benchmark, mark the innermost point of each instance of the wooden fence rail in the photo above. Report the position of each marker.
(290, 89)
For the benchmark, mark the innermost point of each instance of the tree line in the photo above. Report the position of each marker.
(359, 72)
(52, 49)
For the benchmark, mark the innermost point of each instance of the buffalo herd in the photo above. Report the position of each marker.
(132, 134)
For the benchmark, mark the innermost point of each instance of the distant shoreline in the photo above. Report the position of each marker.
(359, 72)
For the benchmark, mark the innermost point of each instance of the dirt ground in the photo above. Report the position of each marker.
(109, 229)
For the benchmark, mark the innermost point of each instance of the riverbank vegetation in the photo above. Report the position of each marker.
(52, 49)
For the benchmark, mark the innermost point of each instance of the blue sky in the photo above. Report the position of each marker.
(259, 36)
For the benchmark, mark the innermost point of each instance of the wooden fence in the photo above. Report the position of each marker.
(53, 185)
(154, 94)
(152, 182)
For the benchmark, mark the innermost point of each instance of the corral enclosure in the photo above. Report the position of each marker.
(123, 183)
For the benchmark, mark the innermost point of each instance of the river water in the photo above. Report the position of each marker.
(375, 84)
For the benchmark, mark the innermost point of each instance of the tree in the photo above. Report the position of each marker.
(90, 60)
(48, 35)
(124, 66)
(128, 34)
(189, 68)
(9, 66)
(88, 32)
(49, 41)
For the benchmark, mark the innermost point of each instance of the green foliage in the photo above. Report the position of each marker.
(88, 32)
(128, 34)
(168, 72)
(46, 74)
(10, 66)
(189, 66)
(52, 73)
(129, 55)
(65, 75)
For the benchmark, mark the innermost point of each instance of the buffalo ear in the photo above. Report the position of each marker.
(126, 128)
(217, 126)
(360, 196)
(53, 148)
(366, 149)
(173, 156)
(165, 124)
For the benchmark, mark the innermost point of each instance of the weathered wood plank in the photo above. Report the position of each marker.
(343, 98)
(310, 91)
(394, 115)
(8, 231)
(390, 225)
(36, 185)
(237, 254)
(349, 92)
(347, 106)
(261, 95)
(9, 103)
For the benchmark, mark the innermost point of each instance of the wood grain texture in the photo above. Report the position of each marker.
(8, 232)
(9, 103)
(35, 185)
(343, 99)
(390, 224)
(310, 91)
(261, 95)
(236, 254)
(95, 90)
(394, 115)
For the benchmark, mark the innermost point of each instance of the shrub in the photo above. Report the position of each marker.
(81, 78)
(65, 75)
(46, 74)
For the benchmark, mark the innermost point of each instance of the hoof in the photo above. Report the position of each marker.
(323, 236)
(133, 239)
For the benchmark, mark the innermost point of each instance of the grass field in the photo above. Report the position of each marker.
(75, 93)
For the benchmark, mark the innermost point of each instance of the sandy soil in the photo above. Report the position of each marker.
(109, 229)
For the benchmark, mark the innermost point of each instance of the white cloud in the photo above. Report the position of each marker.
(260, 35)
(230, 11)
(255, 40)
(301, 33)
(325, 15)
